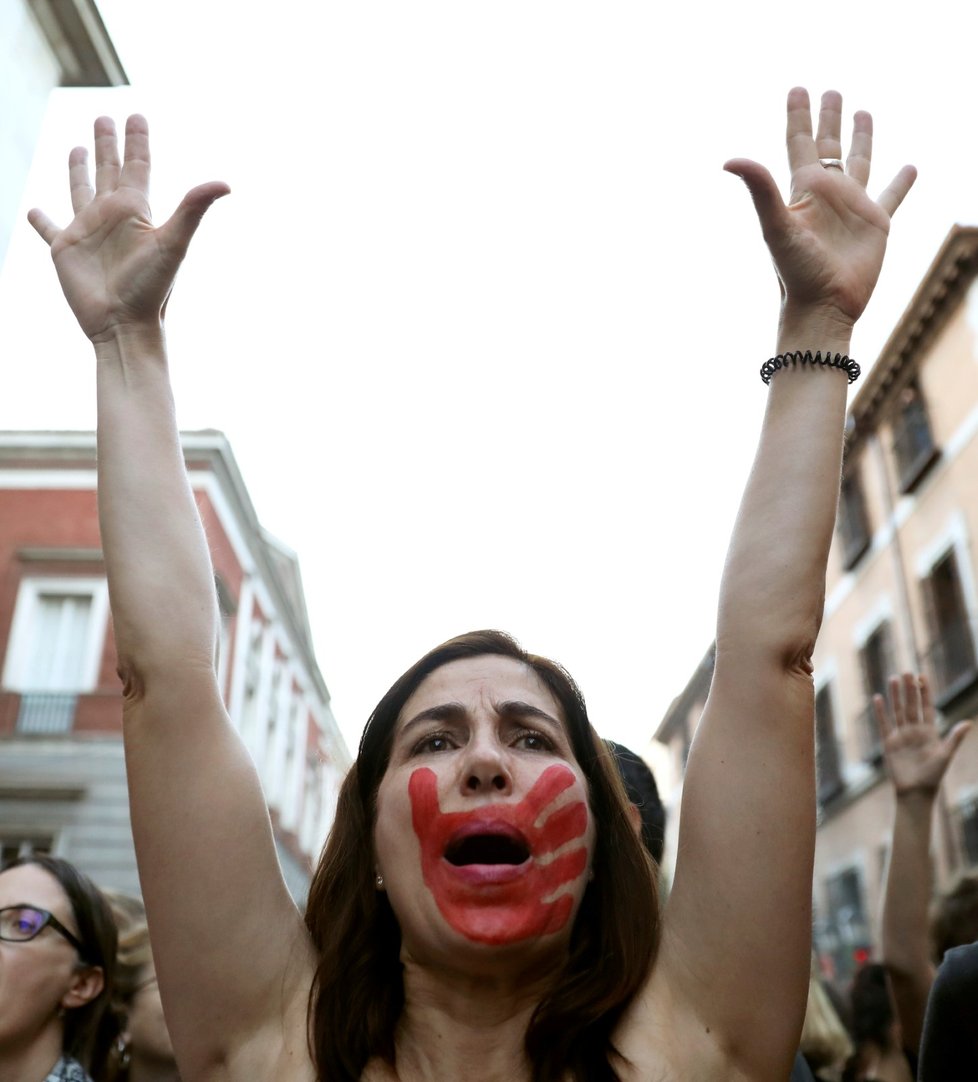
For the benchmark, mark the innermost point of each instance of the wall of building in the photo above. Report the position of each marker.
(28, 72)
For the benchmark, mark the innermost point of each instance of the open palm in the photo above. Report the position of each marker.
(828, 241)
(115, 268)
(916, 755)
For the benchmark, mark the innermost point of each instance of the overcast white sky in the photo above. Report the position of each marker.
(482, 316)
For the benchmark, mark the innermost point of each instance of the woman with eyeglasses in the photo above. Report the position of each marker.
(57, 957)
(483, 909)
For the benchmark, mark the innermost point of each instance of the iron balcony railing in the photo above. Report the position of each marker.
(951, 661)
(46, 712)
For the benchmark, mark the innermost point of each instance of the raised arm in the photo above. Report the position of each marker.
(223, 927)
(737, 929)
(916, 761)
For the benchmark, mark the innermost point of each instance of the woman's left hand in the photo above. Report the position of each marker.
(828, 240)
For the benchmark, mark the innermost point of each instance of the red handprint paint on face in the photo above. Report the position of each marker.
(506, 902)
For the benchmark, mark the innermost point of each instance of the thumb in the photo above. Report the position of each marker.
(763, 190)
(178, 231)
(953, 739)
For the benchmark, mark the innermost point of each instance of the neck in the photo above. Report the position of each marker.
(34, 1061)
(452, 1020)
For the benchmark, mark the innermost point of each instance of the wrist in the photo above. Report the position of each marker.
(808, 327)
(917, 798)
(126, 337)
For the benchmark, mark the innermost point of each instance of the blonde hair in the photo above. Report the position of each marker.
(825, 1043)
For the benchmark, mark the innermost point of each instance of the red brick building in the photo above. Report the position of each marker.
(62, 774)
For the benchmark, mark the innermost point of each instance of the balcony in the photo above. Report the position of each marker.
(951, 662)
(58, 714)
(46, 712)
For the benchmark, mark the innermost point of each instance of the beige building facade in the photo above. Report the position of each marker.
(901, 595)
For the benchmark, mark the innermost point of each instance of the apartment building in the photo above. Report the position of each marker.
(62, 772)
(901, 595)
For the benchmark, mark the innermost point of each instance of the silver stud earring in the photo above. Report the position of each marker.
(380, 882)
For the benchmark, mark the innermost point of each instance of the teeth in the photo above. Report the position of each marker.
(487, 849)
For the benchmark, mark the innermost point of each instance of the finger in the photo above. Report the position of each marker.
(926, 702)
(135, 168)
(801, 145)
(896, 701)
(107, 165)
(861, 148)
(895, 194)
(911, 698)
(828, 141)
(953, 739)
(43, 224)
(763, 190)
(78, 179)
(176, 234)
(882, 721)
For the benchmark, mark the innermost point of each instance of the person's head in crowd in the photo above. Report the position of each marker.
(875, 1028)
(825, 1042)
(873, 1016)
(144, 1049)
(954, 918)
(364, 901)
(57, 960)
(648, 813)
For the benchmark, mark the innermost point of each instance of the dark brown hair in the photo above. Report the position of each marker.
(954, 920)
(89, 1030)
(358, 992)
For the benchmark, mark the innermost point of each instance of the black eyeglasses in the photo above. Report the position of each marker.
(21, 923)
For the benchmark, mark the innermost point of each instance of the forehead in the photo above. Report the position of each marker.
(32, 885)
(481, 682)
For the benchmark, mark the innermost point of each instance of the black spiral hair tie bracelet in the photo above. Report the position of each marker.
(783, 360)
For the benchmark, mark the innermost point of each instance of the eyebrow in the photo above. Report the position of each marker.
(509, 709)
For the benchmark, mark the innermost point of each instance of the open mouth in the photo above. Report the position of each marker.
(488, 848)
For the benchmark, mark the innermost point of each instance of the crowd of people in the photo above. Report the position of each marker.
(487, 905)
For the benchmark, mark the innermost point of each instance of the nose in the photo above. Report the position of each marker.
(485, 769)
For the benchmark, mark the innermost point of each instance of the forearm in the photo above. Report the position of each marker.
(159, 570)
(906, 900)
(774, 579)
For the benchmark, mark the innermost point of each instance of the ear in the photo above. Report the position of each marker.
(86, 984)
(635, 818)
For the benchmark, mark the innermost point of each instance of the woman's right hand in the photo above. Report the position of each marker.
(115, 268)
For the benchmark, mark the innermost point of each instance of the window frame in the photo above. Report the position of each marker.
(26, 609)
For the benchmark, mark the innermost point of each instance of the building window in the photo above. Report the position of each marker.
(951, 651)
(56, 642)
(853, 522)
(844, 934)
(913, 444)
(876, 662)
(827, 753)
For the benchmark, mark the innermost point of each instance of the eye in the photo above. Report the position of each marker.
(434, 742)
(532, 740)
